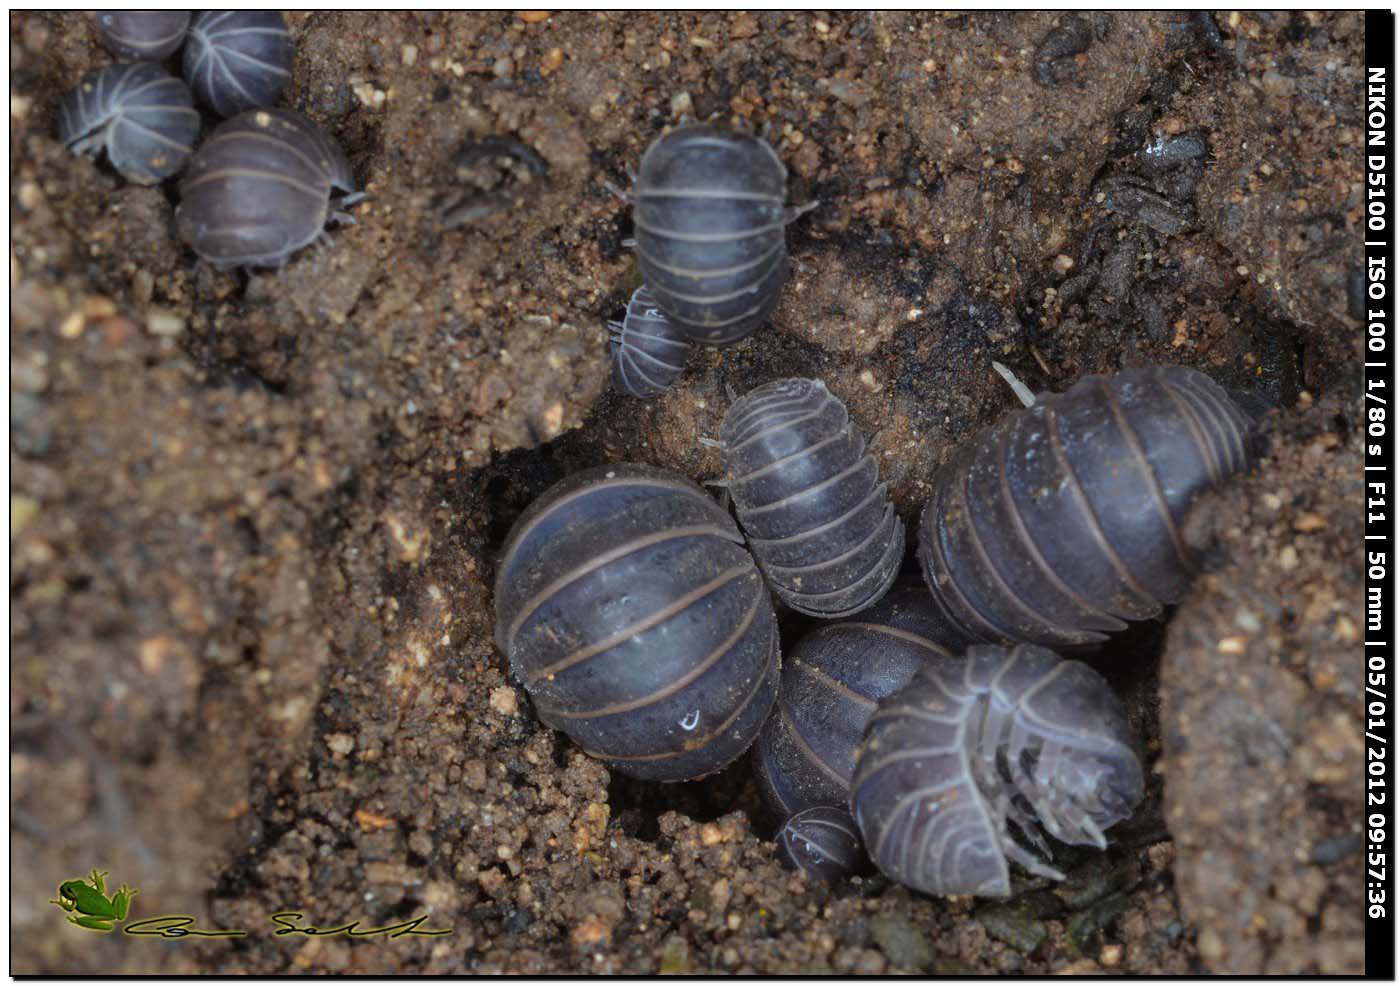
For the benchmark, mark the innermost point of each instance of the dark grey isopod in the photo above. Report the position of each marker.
(648, 354)
(832, 681)
(821, 842)
(142, 35)
(238, 60)
(263, 186)
(140, 114)
(974, 746)
(710, 215)
(636, 619)
(1064, 520)
(810, 499)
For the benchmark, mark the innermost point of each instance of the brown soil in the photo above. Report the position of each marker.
(1263, 745)
(253, 517)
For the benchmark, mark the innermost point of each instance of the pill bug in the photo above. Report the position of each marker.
(970, 747)
(263, 186)
(648, 354)
(809, 497)
(832, 680)
(138, 113)
(636, 619)
(821, 842)
(1063, 521)
(142, 35)
(238, 60)
(708, 206)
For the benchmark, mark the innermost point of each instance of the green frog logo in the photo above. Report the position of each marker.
(88, 905)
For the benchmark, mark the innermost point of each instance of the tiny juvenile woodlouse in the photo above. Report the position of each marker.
(1000, 737)
(710, 215)
(637, 621)
(238, 60)
(139, 113)
(1062, 521)
(263, 186)
(648, 354)
(809, 497)
(832, 680)
(142, 35)
(821, 842)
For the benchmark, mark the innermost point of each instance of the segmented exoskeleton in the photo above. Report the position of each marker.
(1063, 521)
(637, 621)
(809, 497)
(976, 747)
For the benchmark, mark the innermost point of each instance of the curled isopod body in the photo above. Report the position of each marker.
(821, 842)
(1063, 521)
(809, 497)
(648, 354)
(142, 35)
(710, 215)
(973, 746)
(139, 113)
(636, 619)
(238, 60)
(832, 680)
(263, 186)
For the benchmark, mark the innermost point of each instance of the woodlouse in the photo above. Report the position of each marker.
(648, 354)
(710, 215)
(263, 186)
(821, 842)
(1064, 520)
(637, 621)
(832, 680)
(142, 35)
(1001, 737)
(809, 497)
(140, 114)
(238, 60)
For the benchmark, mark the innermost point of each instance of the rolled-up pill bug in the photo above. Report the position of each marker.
(832, 680)
(1063, 521)
(972, 746)
(142, 35)
(139, 113)
(648, 354)
(237, 60)
(809, 497)
(710, 215)
(821, 842)
(263, 186)
(637, 621)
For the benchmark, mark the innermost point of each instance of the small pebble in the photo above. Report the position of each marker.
(160, 322)
(903, 944)
(504, 700)
(23, 510)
